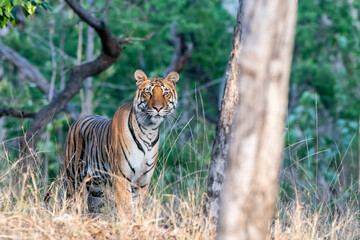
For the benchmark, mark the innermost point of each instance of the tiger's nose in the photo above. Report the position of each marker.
(158, 107)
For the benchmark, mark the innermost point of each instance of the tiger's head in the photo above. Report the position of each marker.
(155, 98)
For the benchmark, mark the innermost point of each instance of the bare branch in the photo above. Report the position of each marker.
(117, 86)
(110, 46)
(25, 67)
(30, 72)
(106, 9)
(182, 54)
(85, 16)
(15, 113)
(46, 43)
(129, 40)
(203, 86)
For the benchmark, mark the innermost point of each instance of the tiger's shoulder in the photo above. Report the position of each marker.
(122, 112)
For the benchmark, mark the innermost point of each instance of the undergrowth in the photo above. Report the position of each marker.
(174, 205)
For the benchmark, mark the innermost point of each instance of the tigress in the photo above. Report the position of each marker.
(123, 149)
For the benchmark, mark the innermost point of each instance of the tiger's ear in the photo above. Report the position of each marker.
(140, 77)
(173, 77)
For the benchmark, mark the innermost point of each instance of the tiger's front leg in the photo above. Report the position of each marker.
(123, 195)
(128, 196)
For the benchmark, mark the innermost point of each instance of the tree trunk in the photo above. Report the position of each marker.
(223, 133)
(87, 107)
(251, 187)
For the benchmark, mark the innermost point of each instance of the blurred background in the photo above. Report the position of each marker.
(321, 151)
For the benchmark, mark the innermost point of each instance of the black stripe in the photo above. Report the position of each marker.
(134, 196)
(148, 170)
(149, 165)
(155, 141)
(100, 135)
(127, 160)
(90, 158)
(105, 143)
(148, 145)
(141, 128)
(93, 158)
(125, 176)
(108, 141)
(87, 131)
(81, 158)
(83, 123)
(133, 188)
(133, 133)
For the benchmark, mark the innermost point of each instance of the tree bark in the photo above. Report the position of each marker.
(251, 187)
(223, 132)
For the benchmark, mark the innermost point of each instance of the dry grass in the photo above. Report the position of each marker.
(164, 216)
(26, 217)
(297, 222)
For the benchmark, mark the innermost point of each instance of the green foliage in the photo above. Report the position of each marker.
(321, 141)
(322, 124)
(205, 24)
(183, 164)
(28, 7)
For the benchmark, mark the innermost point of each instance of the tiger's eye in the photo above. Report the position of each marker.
(166, 94)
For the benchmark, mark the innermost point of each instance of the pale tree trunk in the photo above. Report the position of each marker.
(251, 186)
(223, 133)
(87, 107)
(2, 120)
(80, 40)
(51, 94)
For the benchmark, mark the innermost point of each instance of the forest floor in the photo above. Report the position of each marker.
(163, 216)
(177, 218)
(28, 217)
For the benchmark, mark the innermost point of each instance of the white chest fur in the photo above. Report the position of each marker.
(142, 153)
(143, 165)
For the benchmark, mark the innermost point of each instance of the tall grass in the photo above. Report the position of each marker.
(174, 205)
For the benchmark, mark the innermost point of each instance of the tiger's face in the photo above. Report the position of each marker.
(155, 98)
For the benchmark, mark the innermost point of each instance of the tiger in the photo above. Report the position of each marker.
(124, 149)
